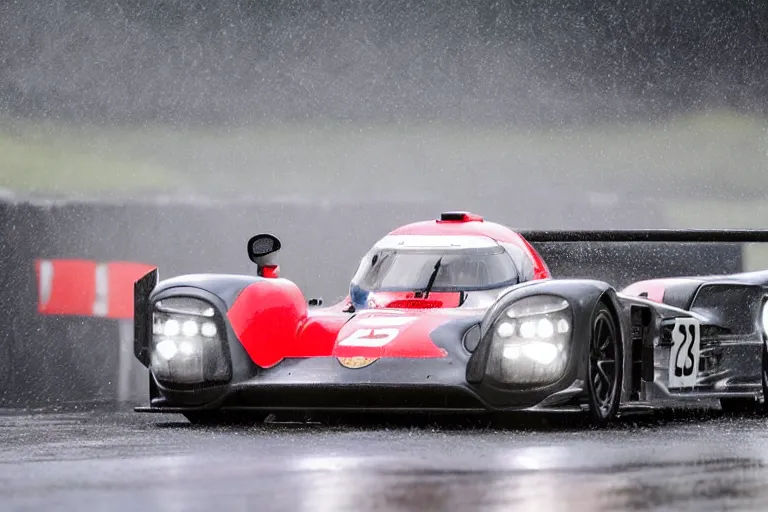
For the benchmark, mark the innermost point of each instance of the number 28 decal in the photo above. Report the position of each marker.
(376, 331)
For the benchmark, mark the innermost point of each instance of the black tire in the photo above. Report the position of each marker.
(213, 418)
(605, 366)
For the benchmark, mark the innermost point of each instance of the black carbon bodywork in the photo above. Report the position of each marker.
(583, 296)
(732, 336)
(454, 383)
(459, 383)
(727, 308)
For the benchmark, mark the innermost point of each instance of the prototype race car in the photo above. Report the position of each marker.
(453, 315)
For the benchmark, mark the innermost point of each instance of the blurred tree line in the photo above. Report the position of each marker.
(515, 62)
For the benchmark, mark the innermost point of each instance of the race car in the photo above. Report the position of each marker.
(453, 315)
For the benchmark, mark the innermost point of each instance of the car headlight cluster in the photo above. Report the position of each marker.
(764, 317)
(530, 341)
(187, 347)
(189, 328)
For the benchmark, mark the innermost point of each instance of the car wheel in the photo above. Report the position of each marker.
(211, 418)
(605, 366)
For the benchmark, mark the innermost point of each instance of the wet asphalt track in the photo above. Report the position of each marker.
(103, 460)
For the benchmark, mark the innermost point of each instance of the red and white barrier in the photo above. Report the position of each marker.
(76, 287)
(87, 288)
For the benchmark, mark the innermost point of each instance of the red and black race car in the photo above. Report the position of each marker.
(453, 315)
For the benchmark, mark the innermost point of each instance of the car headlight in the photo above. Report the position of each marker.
(764, 317)
(530, 343)
(187, 347)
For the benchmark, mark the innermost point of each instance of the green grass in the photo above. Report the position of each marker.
(709, 170)
(719, 154)
(35, 160)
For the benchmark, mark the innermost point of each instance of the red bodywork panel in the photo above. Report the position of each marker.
(408, 300)
(272, 322)
(652, 289)
(269, 271)
(390, 333)
(477, 228)
(271, 319)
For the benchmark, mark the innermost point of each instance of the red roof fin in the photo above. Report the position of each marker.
(460, 217)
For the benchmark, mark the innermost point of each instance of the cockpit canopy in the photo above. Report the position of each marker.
(406, 263)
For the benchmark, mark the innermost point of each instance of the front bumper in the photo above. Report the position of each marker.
(387, 385)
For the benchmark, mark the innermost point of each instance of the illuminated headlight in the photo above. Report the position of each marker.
(186, 345)
(189, 328)
(208, 329)
(166, 349)
(764, 317)
(531, 340)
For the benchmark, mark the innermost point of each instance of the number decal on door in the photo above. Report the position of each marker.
(380, 331)
(684, 353)
(369, 338)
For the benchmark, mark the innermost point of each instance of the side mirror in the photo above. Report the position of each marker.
(262, 250)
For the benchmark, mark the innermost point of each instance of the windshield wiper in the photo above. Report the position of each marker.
(432, 278)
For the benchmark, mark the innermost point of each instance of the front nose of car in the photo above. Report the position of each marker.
(188, 343)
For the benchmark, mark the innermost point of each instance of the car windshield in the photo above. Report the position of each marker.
(460, 269)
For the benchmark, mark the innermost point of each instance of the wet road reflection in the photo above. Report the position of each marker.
(122, 461)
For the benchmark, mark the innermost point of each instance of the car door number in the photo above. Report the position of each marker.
(684, 353)
(380, 331)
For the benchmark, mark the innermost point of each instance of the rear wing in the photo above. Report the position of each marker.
(651, 235)
(622, 257)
